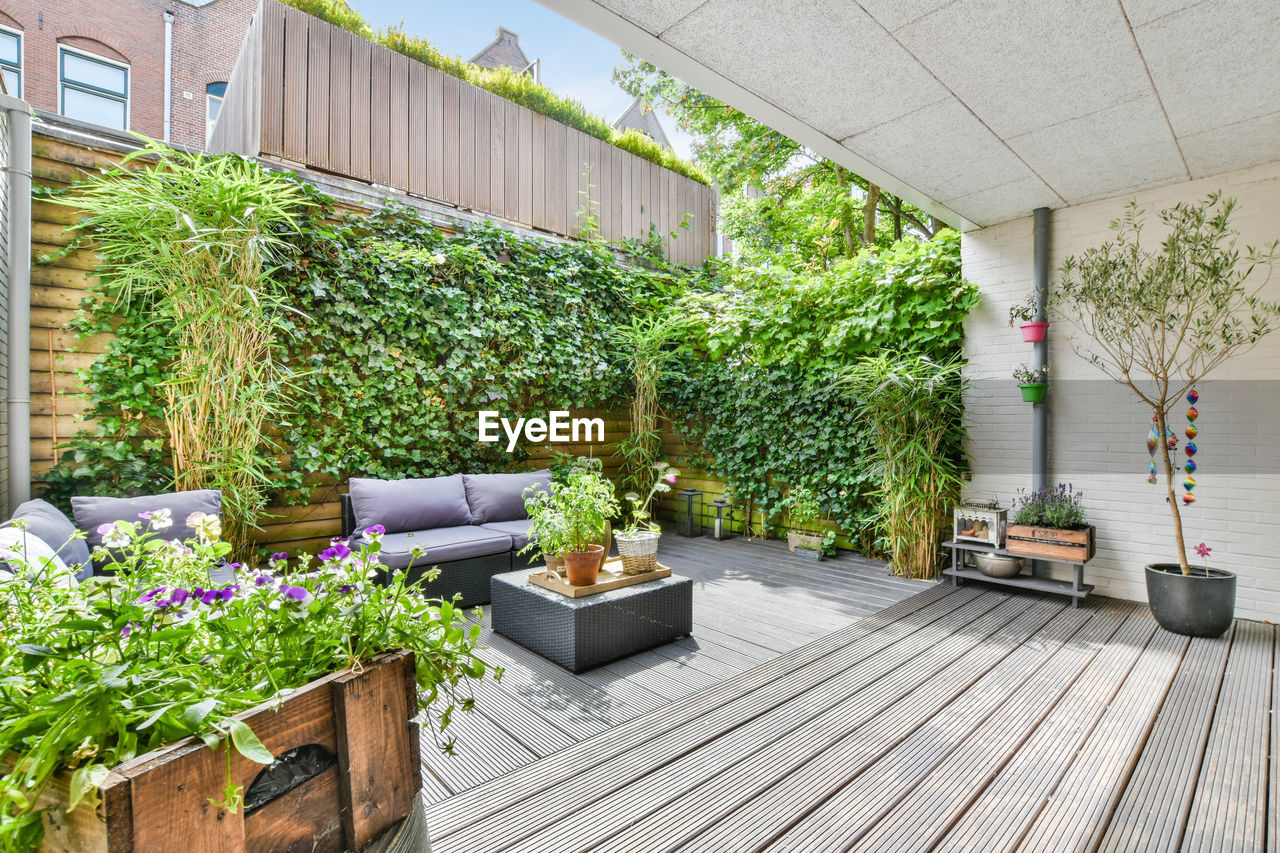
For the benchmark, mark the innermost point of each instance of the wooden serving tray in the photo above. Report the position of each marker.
(611, 577)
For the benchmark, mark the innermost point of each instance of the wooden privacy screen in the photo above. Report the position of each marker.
(308, 92)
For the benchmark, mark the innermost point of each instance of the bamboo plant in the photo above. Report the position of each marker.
(1159, 320)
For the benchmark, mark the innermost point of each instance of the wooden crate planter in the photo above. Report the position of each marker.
(363, 720)
(1050, 542)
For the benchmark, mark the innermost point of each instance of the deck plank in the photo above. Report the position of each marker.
(1152, 813)
(1229, 810)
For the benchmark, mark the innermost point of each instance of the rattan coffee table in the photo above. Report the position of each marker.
(581, 633)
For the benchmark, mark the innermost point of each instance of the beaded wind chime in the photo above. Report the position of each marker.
(1171, 441)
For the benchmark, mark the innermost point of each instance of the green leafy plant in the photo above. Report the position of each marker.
(803, 508)
(1024, 375)
(1022, 312)
(188, 244)
(914, 406)
(1158, 320)
(569, 517)
(650, 341)
(1060, 506)
(99, 672)
(641, 515)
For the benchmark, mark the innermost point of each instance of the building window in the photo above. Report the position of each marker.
(11, 61)
(213, 95)
(93, 89)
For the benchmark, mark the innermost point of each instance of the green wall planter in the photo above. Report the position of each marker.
(1034, 393)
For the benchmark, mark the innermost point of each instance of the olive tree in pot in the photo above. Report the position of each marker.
(1158, 320)
(567, 520)
(638, 541)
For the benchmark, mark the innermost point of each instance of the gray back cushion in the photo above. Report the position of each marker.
(500, 497)
(405, 505)
(47, 522)
(92, 512)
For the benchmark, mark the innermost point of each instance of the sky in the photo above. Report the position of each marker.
(575, 61)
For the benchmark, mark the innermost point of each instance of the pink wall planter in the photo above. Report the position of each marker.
(1034, 333)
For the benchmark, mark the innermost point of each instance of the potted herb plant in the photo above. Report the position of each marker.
(149, 705)
(567, 520)
(803, 509)
(638, 541)
(1034, 383)
(1158, 319)
(1051, 523)
(1024, 313)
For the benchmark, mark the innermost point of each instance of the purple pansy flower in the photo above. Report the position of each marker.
(148, 596)
(297, 593)
(337, 551)
(263, 580)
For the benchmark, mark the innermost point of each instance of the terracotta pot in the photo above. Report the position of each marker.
(583, 567)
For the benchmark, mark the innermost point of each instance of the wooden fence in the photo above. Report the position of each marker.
(307, 92)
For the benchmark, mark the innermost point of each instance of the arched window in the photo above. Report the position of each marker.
(213, 95)
(93, 88)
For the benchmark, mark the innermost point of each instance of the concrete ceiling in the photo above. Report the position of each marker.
(982, 110)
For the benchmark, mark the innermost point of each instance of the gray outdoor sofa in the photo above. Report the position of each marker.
(470, 525)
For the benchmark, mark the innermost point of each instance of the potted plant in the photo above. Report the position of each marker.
(562, 465)
(638, 541)
(803, 540)
(1034, 383)
(150, 704)
(1051, 523)
(1158, 320)
(1024, 313)
(567, 520)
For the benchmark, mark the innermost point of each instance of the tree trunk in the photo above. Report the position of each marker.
(1162, 428)
(869, 215)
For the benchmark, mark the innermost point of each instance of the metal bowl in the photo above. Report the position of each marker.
(996, 566)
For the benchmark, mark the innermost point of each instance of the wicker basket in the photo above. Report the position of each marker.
(639, 552)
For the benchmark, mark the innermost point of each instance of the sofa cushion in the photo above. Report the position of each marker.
(441, 545)
(22, 548)
(50, 525)
(404, 505)
(500, 497)
(93, 512)
(517, 530)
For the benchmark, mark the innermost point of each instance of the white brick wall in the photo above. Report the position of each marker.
(1098, 429)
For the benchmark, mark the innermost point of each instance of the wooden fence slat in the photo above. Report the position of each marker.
(318, 97)
(399, 136)
(273, 80)
(525, 214)
(573, 181)
(380, 117)
(512, 203)
(361, 91)
(418, 97)
(339, 96)
(538, 160)
(295, 84)
(450, 120)
(498, 157)
(482, 153)
(435, 133)
(467, 146)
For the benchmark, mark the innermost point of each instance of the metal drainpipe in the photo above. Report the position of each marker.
(1040, 353)
(168, 74)
(19, 237)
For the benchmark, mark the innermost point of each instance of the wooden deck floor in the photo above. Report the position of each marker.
(958, 719)
(753, 601)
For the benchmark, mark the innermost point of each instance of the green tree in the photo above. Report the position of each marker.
(782, 199)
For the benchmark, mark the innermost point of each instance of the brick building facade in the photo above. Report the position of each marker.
(105, 61)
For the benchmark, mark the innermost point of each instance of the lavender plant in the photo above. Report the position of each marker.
(1060, 506)
(99, 672)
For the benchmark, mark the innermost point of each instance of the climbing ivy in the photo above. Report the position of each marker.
(759, 398)
(403, 333)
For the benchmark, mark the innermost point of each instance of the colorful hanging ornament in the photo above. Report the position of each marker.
(1189, 484)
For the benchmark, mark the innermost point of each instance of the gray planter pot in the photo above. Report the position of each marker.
(1197, 605)
(809, 553)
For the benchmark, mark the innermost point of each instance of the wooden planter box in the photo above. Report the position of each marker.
(360, 720)
(1050, 542)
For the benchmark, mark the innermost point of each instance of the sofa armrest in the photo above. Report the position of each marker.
(348, 515)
